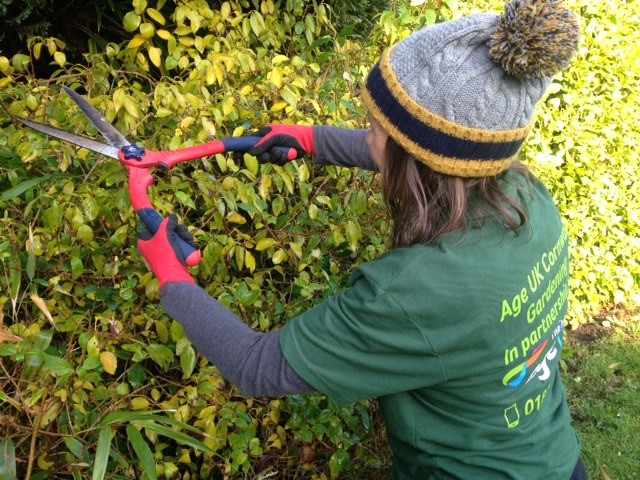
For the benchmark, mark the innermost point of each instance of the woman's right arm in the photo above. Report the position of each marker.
(342, 147)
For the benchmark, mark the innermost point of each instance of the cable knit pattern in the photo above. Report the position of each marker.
(450, 102)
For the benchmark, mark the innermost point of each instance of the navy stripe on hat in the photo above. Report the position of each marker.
(429, 138)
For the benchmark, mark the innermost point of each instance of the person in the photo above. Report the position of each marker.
(457, 330)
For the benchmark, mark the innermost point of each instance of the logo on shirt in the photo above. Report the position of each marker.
(542, 304)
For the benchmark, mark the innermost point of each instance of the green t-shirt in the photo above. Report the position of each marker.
(460, 344)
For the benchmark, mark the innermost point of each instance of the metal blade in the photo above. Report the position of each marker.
(108, 131)
(79, 140)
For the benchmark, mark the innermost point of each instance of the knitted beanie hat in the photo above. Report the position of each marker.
(460, 96)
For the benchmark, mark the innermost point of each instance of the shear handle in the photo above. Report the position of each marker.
(139, 182)
(169, 159)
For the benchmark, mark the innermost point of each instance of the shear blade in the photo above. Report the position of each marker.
(79, 140)
(108, 131)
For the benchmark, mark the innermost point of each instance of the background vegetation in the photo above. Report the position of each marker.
(96, 380)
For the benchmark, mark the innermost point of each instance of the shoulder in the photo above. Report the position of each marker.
(399, 268)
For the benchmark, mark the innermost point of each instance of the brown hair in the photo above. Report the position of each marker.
(426, 205)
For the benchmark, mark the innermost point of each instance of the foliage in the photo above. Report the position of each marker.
(586, 153)
(27, 18)
(66, 28)
(84, 334)
(82, 338)
(358, 17)
(603, 381)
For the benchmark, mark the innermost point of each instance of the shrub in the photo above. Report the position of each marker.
(88, 357)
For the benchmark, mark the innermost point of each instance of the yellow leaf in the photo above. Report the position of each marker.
(51, 46)
(135, 42)
(225, 10)
(219, 74)
(163, 112)
(276, 77)
(41, 304)
(131, 107)
(252, 164)
(186, 122)
(60, 58)
(235, 217)
(139, 6)
(279, 59)
(287, 181)
(313, 211)
(164, 34)
(303, 172)
(265, 186)
(199, 44)
(296, 249)
(183, 30)
(276, 107)
(43, 463)
(32, 102)
(156, 15)
(139, 403)
(289, 96)
(249, 261)
(8, 337)
(147, 30)
(279, 257)
(209, 127)
(228, 183)
(109, 362)
(210, 76)
(37, 49)
(228, 105)
(155, 55)
(265, 243)
(5, 65)
(240, 253)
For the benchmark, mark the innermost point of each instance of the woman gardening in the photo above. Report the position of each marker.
(457, 330)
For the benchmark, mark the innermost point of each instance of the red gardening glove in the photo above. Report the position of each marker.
(296, 137)
(162, 253)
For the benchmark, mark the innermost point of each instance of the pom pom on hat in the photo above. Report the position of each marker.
(534, 38)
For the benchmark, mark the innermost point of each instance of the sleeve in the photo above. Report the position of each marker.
(360, 345)
(252, 361)
(342, 147)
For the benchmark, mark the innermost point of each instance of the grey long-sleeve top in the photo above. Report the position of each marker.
(253, 361)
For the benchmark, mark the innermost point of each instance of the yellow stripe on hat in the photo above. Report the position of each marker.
(447, 165)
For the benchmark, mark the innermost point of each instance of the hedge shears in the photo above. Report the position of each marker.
(138, 161)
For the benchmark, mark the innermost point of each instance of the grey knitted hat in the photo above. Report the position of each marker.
(460, 96)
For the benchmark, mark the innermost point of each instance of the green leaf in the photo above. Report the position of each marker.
(143, 452)
(75, 446)
(188, 359)
(8, 468)
(118, 417)
(57, 365)
(102, 453)
(339, 462)
(22, 187)
(137, 376)
(131, 21)
(181, 438)
(160, 354)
